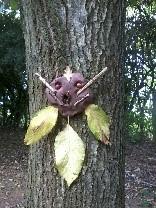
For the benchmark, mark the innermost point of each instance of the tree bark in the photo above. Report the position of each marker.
(154, 113)
(87, 35)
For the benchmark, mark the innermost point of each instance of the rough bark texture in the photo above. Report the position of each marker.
(87, 35)
(154, 114)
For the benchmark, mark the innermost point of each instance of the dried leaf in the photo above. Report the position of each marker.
(98, 123)
(41, 124)
(69, 154)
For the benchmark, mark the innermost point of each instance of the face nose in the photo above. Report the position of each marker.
(66, 98)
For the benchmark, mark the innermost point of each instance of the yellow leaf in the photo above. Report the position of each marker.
(69, 154)
(41, 124)
(98, 123)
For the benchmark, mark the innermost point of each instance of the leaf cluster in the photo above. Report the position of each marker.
(68, 146)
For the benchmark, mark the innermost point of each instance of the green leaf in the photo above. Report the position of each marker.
(98, 123)
(69, 154)
(14, 4)
(41, 124)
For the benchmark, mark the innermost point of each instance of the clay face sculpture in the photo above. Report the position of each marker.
(67, 98)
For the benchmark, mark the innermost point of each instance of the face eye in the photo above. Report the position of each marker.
(58, 85)
(79, 84)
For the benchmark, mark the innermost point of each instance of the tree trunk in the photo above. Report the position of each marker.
(87, 35)
(154, 114)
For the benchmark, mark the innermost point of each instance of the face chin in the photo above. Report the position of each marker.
(71, 109)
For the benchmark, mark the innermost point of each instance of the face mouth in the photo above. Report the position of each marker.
(66, 99)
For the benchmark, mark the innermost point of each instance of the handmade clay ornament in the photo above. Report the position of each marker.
(65, 94)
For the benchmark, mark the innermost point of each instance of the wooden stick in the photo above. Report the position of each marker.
(91, 81)
(68, 120)
(52, 91)
(82, 99)
(44, 82)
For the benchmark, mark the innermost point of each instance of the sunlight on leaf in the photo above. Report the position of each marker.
(14, 4)
(69, 154)
(41, 124)
(98, 123)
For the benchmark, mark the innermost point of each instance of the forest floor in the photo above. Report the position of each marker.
(140, 172)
